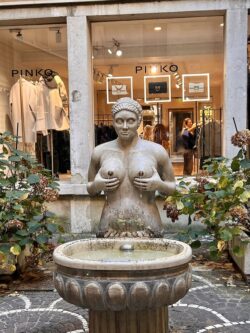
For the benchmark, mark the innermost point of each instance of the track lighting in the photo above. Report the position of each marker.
(115, 48)
(58, 36)
(19, 34)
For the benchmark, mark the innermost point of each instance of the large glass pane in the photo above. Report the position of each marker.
(33, 91)
(175, 67)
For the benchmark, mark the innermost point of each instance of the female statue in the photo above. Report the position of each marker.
(129, 170)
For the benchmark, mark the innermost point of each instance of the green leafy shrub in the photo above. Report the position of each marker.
(219, 197)
(25, 187)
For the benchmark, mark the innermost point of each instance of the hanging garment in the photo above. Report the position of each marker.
(210, 139)
(41, 108)
(27, 106)
(51, 101)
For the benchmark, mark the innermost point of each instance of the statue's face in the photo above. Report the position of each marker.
(126, 124)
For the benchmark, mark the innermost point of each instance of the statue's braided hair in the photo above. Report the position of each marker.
(128, 104)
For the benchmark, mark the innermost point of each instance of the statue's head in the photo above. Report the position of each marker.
(127, 104)
(126, 118)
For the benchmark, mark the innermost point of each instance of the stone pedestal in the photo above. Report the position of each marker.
(147, 321)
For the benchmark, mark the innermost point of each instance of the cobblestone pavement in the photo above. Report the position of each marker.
(218, 302)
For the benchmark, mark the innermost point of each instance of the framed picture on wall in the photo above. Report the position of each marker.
(195, 87)
(157, 88)
(117, 87)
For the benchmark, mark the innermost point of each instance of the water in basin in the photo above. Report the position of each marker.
(115, 255)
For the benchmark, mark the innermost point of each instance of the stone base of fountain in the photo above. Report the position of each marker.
(127, 292)
(147, 321)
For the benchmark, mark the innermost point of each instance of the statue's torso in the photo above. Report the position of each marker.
(127, 207)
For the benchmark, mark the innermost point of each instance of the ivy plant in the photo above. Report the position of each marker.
(25, 188)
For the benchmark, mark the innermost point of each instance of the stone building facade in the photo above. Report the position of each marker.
(78, 17)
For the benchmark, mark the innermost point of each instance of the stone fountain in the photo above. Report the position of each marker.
(127, 284)
(128, 278)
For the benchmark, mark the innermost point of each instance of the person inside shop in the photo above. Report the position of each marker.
(189, 140)
(148, 133)
(130, 170)
(161, 136)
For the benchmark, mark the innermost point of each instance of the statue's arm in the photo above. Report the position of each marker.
(167, 184)
(92, 172)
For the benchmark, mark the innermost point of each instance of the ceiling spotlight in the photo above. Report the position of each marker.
(157, 28)
(118, 52)
(58, 36)
(19, 34)
(110, 51)
(117, 48)
(222, 24)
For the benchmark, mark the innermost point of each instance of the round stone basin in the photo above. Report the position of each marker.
(96, 274)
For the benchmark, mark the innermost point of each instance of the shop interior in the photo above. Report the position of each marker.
(154, 49)
(33, 91)
(169, 48)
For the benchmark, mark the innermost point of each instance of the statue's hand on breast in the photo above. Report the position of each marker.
(106, 184)
(148, 184)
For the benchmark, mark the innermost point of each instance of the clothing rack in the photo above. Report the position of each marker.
(4, 89)
(105, 118)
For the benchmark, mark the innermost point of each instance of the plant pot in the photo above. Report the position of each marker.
(242, 242)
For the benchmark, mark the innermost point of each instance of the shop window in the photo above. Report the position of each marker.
(175, 67)
(248, 77)
(33, 92)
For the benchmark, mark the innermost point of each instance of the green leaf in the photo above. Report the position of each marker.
(5, 248)
(179, 205)
(33, 226)
(33, 179)
(220, 194)
(209, 186)
(5, 150)
(195, 244)
(245, 164)
(240, 154)
(226, 235)
(24, 241)
(15, 249)
(22, 232)
(235, 165)
(51, 227)
(38, 218)
(14, 158)
(42, 239)
(223, 182)
(244, 197)
(238, 251)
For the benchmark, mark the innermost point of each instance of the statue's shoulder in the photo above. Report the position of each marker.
(98, 150)
(154, 147)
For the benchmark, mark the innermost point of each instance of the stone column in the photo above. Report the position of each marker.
(148, 321)
(80, 96)
(235, 76)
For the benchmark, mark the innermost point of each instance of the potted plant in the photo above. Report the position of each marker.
(25, 224)
(219, 198)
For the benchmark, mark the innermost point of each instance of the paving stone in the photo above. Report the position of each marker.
(211, 306)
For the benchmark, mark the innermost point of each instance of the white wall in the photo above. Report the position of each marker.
(6, 64)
